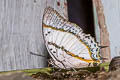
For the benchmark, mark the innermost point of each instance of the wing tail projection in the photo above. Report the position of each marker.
(69, 38)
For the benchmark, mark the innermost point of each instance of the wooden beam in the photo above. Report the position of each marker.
(104, 35)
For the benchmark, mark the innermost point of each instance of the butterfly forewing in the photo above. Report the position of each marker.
(68, 46)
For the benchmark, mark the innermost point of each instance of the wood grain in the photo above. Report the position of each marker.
(112, 21)
(104, 34)
(21, 33)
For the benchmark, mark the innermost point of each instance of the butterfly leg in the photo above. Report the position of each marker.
(74, 70)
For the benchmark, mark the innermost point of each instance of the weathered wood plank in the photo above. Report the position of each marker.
(112, 15)
(112, 18)
(21, 33)
(104, 35)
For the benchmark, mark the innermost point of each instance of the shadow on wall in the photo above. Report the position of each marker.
(81, 13)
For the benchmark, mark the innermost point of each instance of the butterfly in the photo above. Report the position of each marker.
(66, 42)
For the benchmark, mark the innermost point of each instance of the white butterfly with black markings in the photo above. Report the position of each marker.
(66, 43)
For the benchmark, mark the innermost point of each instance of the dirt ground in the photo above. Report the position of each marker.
(68, 75)
(80, 75)
(103, 72)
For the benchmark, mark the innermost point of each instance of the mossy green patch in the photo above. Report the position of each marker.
(105, 66)
(42, 70)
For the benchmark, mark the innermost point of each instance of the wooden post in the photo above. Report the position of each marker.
(21, 32)
(104, 35)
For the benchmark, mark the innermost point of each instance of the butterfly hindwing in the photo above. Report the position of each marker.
(66, 42)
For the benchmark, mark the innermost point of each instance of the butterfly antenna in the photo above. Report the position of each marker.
(74, 69)
(38, 55)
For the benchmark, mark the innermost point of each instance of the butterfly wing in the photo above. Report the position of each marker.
(66, 42)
